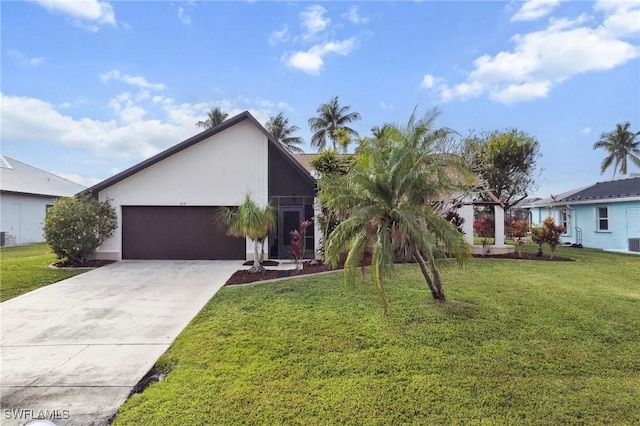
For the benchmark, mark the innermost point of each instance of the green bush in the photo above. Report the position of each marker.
(75, 227)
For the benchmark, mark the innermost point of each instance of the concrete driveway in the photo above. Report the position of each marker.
(74, 350)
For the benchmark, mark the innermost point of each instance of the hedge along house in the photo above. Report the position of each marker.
(166, 205)
(605, 215)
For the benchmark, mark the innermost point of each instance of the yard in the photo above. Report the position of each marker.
(26, 268)
(520, 342)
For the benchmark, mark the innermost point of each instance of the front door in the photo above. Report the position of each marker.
(289, 218)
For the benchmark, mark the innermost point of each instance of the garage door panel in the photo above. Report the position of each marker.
(176, 233)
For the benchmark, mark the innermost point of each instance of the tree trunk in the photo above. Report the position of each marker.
(436, 279)
(257, 267)
(423, 267)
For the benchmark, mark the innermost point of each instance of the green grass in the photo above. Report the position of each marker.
(520, 342)
(25, 268)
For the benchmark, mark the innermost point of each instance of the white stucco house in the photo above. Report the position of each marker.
(167, 203)
(25, 194)
(605, 215)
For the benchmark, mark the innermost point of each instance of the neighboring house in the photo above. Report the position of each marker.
(25, 194)
(605, 215)
(166, 204)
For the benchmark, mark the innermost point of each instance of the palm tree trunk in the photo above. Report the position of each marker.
(423, 267)
(436, 281)
(257, 267)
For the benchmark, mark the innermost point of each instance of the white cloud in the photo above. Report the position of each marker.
(279, 36)
(91, 14)
(542, 59)
(585, 130)
(515, 93)
(312, 60)
(82, 180)
(139, 128)
(23, 59)
(535, 9)
(428, 81)
(183, 16)
(354, 16)
(313, 21)
(137, 81)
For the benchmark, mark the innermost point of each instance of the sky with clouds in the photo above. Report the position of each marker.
(90, 88)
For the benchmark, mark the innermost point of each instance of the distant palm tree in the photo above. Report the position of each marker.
(621, 145)
(214, 117)
(331, 116)
(279, 128)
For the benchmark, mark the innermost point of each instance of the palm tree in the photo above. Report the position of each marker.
(279, 128)
(392, 195)
(251, 221)
(214, 117)
(331, 116)
(621, 145)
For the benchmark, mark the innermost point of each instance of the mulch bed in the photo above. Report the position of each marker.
(526, 256)
(89, 264)
(263, 263)
(245, 277)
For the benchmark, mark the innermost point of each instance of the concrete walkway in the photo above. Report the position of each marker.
(74, 350)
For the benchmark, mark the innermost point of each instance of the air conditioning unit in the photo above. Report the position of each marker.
(634, 244)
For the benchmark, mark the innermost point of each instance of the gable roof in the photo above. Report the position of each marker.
(194, 140)
(19, 177)
(618, 190)
(621, 188)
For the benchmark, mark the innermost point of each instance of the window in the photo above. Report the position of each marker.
(602, 218)
(565, 221)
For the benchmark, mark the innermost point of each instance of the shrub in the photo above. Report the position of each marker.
(484, 228)
(551, 233)
(76, 226)
(517, 229)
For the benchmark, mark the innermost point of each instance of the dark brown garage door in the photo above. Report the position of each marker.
(176, 233)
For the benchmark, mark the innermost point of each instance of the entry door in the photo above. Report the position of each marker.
(633, 222)
(289, 218)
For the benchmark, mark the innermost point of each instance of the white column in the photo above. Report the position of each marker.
(499, 225)
(466, 213)
(317, 233)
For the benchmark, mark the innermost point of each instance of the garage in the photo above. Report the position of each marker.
(176, 233)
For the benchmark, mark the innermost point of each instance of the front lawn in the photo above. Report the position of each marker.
(520, 342)
(25, 268)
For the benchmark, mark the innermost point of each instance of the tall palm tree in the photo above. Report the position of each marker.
(280, 129)
(621, 145)
(251, 221)
(214, 117)
(331, 116)
(392, 195)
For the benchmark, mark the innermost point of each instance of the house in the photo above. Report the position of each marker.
(166, 204)
(25, 194)
(605, 215)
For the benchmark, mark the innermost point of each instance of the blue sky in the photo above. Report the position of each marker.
(90, 88)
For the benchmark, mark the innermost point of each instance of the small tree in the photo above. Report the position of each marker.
(251, 221)
(518, 229)
(75, 227)
(551, 233)
(484, 228)
(537, 234)
(298, 242)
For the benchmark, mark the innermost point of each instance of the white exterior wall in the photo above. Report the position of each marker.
(22, 217)
(217, 171)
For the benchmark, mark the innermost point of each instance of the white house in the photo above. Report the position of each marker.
(25, 194)
(166, 204)
(605, 215)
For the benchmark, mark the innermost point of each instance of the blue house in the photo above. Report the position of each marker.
(605, 215)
